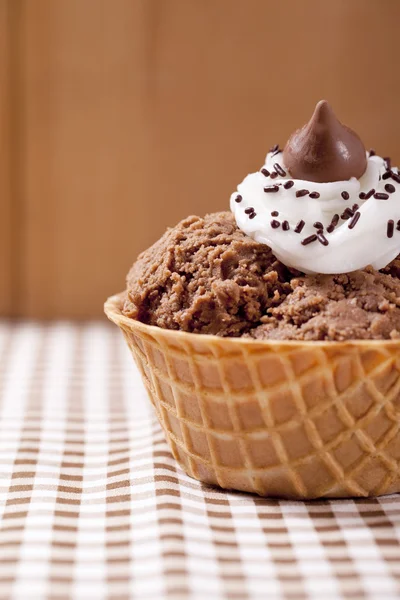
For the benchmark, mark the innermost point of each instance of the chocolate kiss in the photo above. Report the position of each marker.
(324, 150)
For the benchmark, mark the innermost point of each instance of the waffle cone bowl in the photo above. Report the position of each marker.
(288, 419)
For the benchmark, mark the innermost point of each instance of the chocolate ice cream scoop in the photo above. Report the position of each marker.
(324, 150)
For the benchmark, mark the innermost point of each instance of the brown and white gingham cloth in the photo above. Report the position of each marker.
(93, 505)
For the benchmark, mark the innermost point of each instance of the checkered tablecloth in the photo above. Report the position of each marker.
(93, 505)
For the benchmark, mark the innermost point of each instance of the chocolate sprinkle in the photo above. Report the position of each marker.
(288, 184)
(381, 196)
(372, 152)
(279, 170)
(390, 188)
(362, 195)
(285, 226)
(238, 198)
(354, 220)
(396, 177)
(369, 194)
(271, 189)
(355, 207)
(301, 193)
(249, 210)
(314, 195)
(390, 228)
(309, 240)
(275, 224)
(322, 239)
(274, 213)
(274, 148)
(388, 162)
(334, 222)
(398, 225)
(318, 225)
(253, 214)
(274, 175)
(345, 195)
(347, 214)
(299, 226)
(265, 172)
(387, 175)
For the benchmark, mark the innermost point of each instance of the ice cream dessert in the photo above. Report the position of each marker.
(268, 337)
(299, 255)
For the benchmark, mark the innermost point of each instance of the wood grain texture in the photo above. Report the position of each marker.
(136, 113)
(6, 268)
(83, 76)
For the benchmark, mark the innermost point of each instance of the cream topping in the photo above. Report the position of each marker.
(367, 211)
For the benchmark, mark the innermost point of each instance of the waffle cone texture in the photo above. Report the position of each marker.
(287, 419)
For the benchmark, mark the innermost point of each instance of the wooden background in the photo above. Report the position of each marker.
(120, 117)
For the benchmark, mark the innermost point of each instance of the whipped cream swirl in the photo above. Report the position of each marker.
(359, 217)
